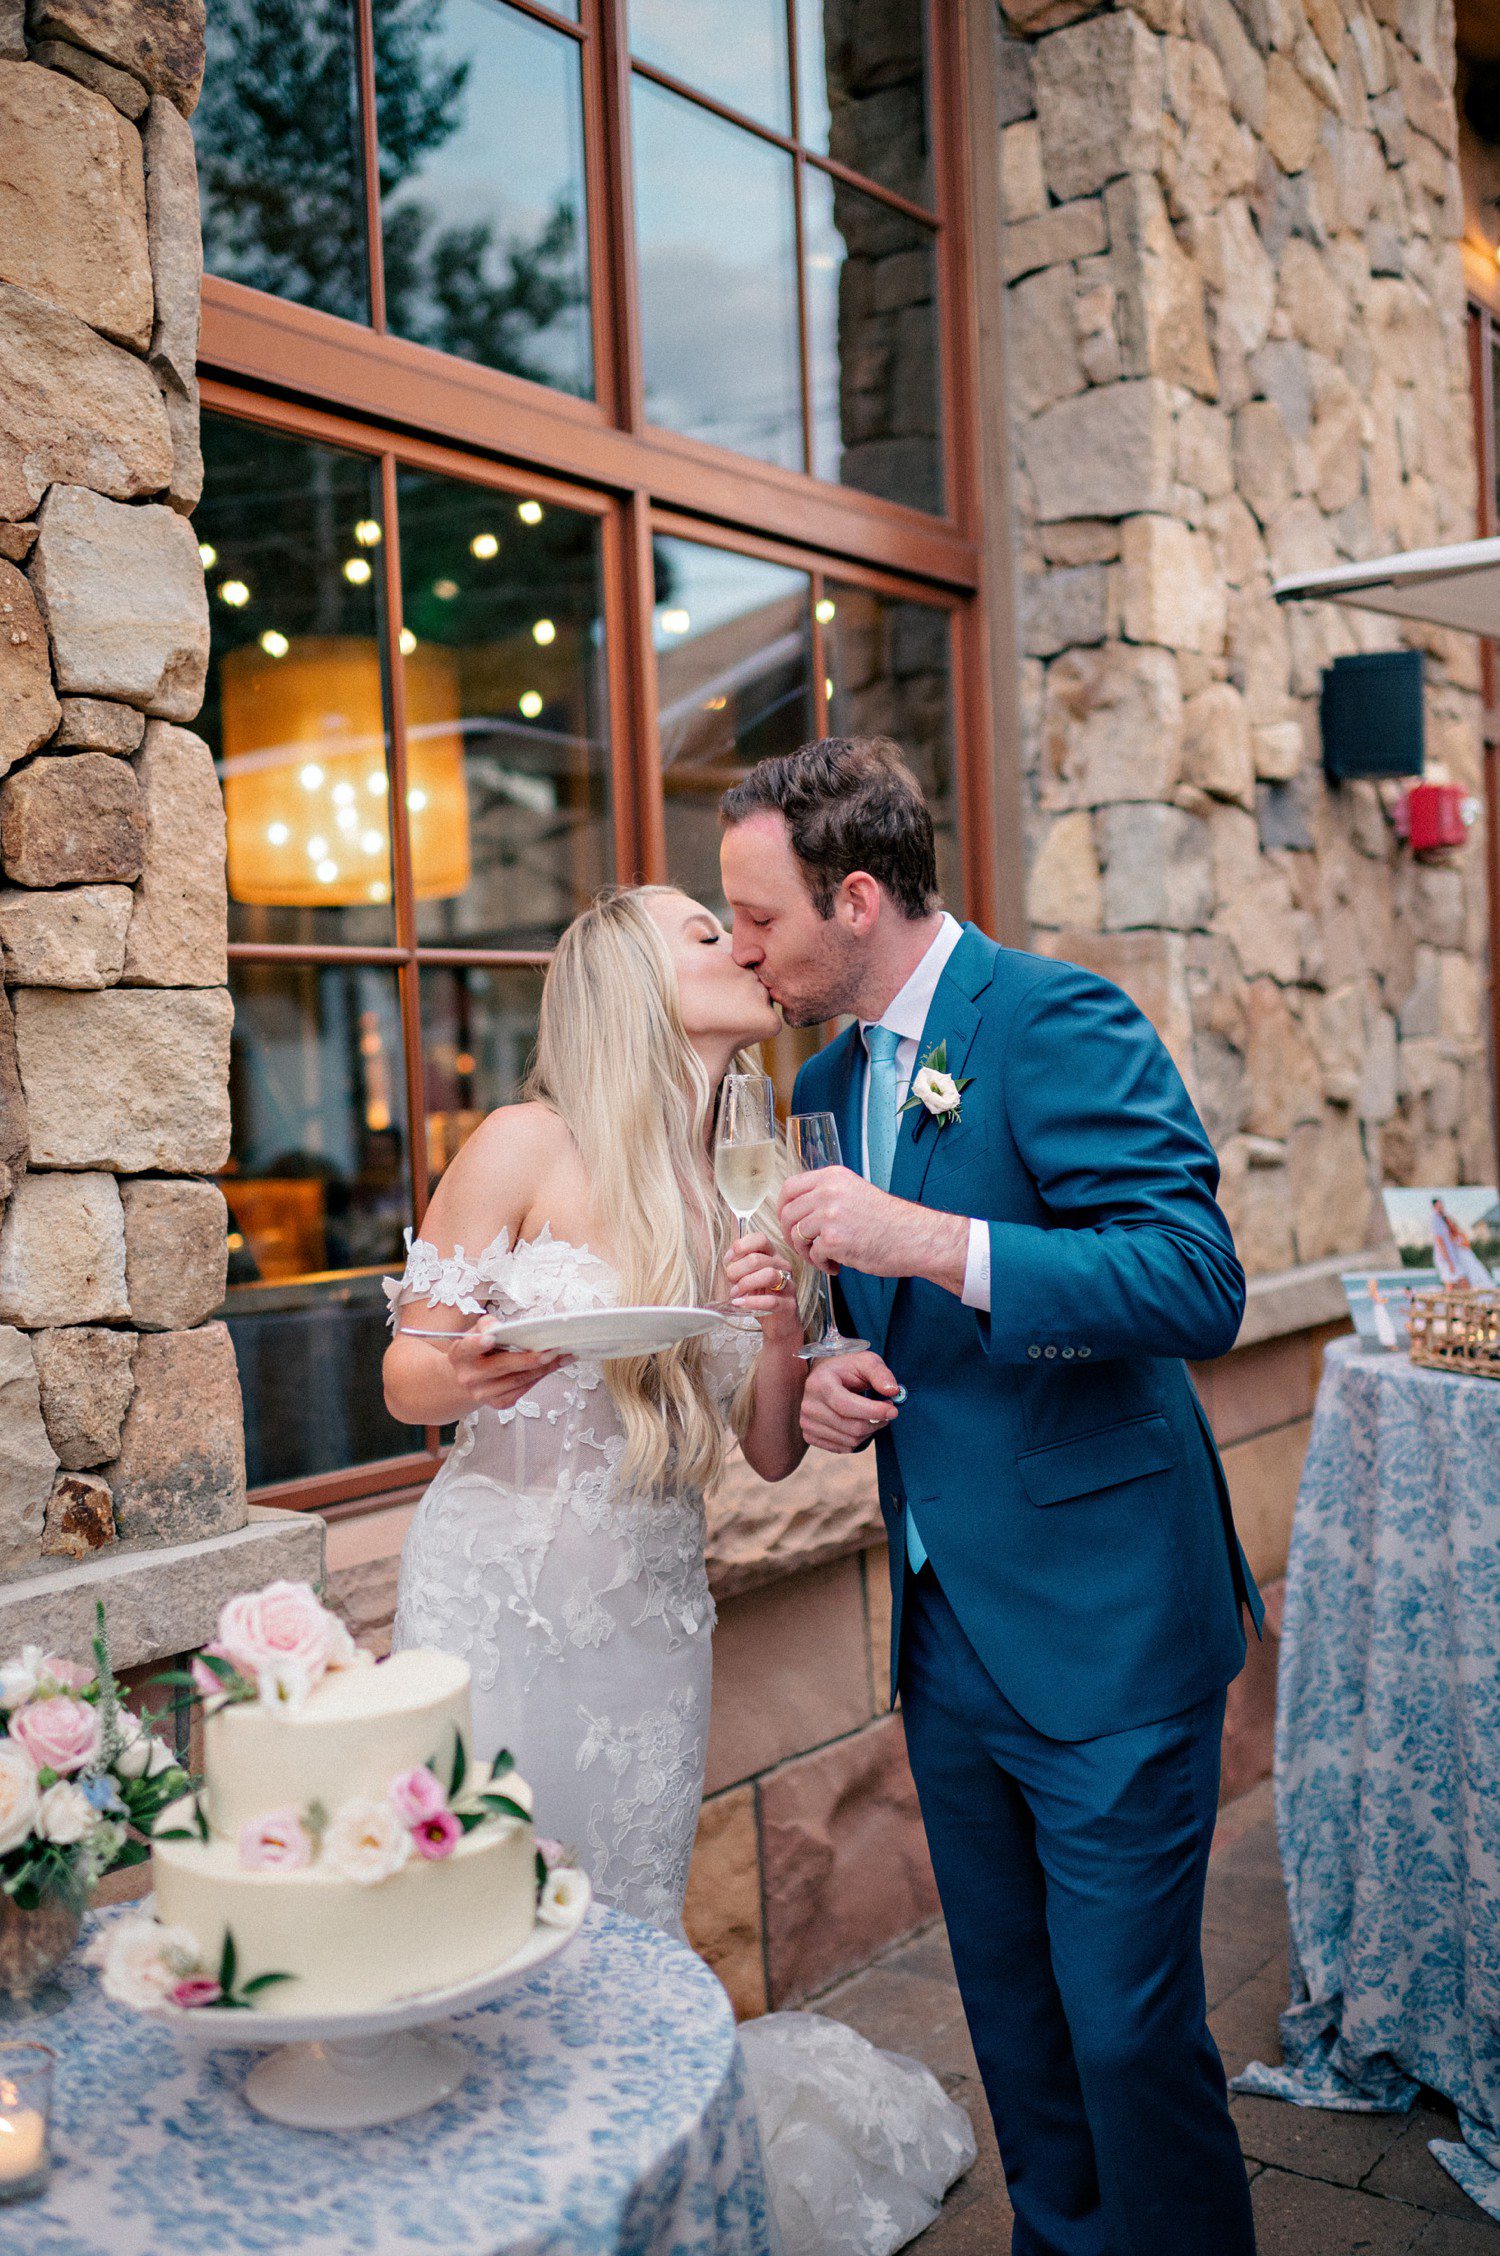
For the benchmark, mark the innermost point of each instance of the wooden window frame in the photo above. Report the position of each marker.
(322, 378)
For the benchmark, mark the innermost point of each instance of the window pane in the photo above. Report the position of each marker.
(872, 344)
(734, 679)
(279, 167)
(482, 180)
(735, 50)
(478, 1033)
(295, 710)
(508, 762)
(863, 92)
(317, 1182)
(890, 674)
(716, 236)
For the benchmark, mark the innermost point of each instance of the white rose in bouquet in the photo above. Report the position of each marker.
(19, 1795)
(64, 1814)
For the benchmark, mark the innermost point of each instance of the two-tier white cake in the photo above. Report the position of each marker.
(344, 1838)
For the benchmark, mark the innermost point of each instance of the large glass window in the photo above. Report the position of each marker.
(562, 366)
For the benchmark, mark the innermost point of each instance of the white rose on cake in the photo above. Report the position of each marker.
(366, 1841)
(563, 1897)
(142, 1963)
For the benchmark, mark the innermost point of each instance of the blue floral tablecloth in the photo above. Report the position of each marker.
(606, 2116)
(1388, 1755)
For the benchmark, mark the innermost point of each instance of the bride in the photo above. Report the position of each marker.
(560, 1550)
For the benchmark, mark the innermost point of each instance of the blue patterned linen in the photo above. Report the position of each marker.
(1388, 1756)
(606, 2116)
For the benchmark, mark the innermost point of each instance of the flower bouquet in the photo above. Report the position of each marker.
(82, 1783)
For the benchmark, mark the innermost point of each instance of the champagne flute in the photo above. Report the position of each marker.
(745, 1145)
(813, 1138)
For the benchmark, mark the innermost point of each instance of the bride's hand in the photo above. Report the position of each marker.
(495, 1378)
(762, 1285)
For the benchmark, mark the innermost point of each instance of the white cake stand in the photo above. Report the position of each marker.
(346, 2071)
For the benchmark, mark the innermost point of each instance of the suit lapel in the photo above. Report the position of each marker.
(953, 1018)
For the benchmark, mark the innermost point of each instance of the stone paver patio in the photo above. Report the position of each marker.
(1324, 2184)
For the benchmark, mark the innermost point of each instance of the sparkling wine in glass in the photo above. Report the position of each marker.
(745, 1145)
(813, 1139)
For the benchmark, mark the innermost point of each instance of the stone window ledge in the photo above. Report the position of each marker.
(158, 1599)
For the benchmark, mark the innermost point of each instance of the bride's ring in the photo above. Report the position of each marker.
(780, 1284)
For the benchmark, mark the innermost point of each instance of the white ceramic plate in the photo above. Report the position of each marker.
(605, 1332)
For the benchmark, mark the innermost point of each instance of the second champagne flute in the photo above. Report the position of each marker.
(813, 1140)
(745, 1145)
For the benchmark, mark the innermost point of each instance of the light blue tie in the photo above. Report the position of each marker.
(881, 1125)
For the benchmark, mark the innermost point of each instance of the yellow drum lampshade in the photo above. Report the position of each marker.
(305, 786)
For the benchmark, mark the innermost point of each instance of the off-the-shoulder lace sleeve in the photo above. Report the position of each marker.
(450, 1283)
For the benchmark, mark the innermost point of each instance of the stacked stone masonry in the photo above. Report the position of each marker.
(1236, 349)
(119, 1403)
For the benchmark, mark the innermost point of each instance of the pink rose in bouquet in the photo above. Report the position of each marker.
(437, 1837)
(61, 1733)
(415, 1795)
(282, 1633)
(277, 1842)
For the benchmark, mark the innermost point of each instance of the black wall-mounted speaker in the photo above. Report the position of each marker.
(1370, 713)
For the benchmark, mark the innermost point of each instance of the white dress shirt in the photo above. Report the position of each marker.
(905, 1016)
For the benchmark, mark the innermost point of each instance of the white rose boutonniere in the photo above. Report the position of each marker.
(934, 1088)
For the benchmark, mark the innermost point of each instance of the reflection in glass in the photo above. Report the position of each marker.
(861, 86)
(482, 183)
(890, 674)
(292, 543)
(478, 1033)
(716, 239)
(734, 683)
(734, 50)
(279, 166)
(872, 344)
(317, 1182)
(502, 604)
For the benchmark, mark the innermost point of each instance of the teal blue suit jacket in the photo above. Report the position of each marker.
(1058, 1461)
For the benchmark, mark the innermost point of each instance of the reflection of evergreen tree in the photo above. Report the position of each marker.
(280, 173)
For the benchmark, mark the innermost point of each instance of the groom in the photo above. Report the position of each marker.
(1032, 1266)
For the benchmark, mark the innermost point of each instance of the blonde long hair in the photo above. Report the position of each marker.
(613, 1061)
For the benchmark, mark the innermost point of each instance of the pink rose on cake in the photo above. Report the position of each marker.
(437, 1837)
(277, 1842)
(60, 1733)
(416, 1795)
(283, 1640)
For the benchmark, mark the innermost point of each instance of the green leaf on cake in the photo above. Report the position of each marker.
(503, 1764)
(460, 1767)
(503, 1806)
(259, 1982)
(227, 1964)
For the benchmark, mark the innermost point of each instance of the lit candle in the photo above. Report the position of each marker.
(23, 2144)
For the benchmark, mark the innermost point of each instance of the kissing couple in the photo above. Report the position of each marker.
(1031, 1266)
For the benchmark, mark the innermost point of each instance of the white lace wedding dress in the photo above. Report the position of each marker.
(585, 1616)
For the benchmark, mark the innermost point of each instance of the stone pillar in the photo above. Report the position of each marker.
(1236, 335)
(119, 1404)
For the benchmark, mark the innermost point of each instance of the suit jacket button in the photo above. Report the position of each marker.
(1085, 1351)
(1033, 1352)
(1049, 1352)
(1067, 1354)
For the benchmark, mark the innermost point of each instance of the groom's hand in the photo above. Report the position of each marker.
(841, 1409)
(836, 1217)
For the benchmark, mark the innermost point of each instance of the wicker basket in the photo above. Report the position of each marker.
(1457, 1331)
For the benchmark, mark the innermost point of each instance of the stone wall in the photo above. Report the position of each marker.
(119, 1403)
(1236, 348)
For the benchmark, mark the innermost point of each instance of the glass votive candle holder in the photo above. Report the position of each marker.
(25, 2119)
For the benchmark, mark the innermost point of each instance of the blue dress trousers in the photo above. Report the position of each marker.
(1063, 1654)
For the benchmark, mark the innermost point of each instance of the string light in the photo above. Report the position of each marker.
(277, 833)
(544, 632)
(343, 794)
(416, 800)
(484, 546)
(824, 609)
(378, 782)
(530, 512)
(357, 571)
(317, 849)
(310, 777)
(531, 703)
(675, 621)
(274, 643)
(234, 593)
(367, 532)
(408, 642)
(371, 841)
(208, 555)
(327, 872)
(445, 590)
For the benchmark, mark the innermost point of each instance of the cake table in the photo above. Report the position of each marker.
(606, 2116)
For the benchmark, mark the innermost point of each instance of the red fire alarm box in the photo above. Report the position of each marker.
(1432, 816)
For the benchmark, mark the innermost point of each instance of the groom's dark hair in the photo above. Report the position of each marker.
(849, 803)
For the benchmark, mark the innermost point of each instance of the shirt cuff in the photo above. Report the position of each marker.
(976, 1292)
